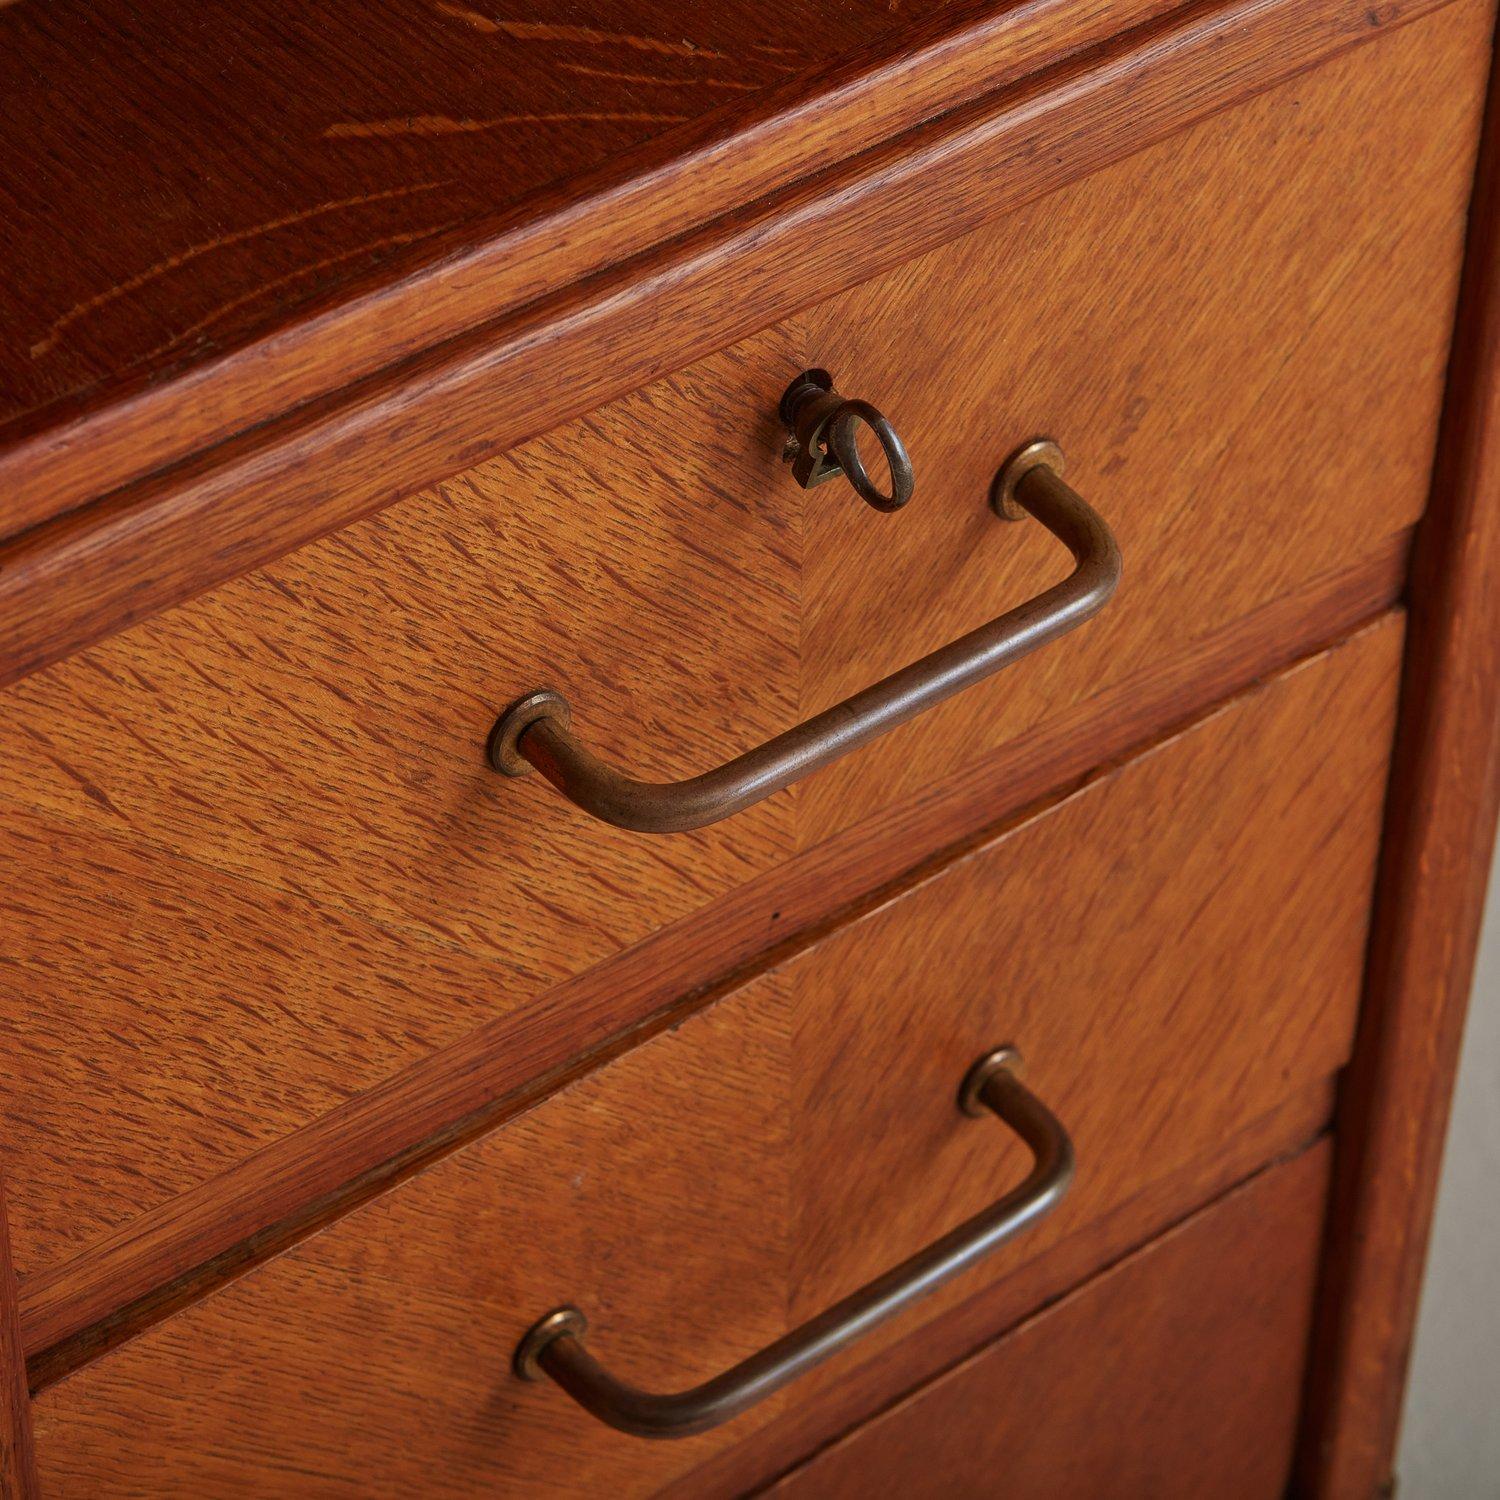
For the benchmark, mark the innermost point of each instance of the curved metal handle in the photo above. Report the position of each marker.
(534, 731)
(554, 1346)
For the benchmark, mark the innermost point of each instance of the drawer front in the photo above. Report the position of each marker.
(1239, 341)
(261, 862)
(1176, 1373)
(258, 857)
(1176, 948)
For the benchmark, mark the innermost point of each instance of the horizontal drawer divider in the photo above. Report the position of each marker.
(1026, 1293)
(75, 1311)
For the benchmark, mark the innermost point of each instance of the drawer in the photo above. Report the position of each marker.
(259, 861)
(1241, 349)
(262, 864)
(1176, 1373)
(1171, 980)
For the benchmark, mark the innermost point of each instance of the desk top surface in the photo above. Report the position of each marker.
(178, 179)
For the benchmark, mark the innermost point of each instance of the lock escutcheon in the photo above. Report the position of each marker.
(823, 441)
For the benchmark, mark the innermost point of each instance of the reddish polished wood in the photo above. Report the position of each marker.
(292, 873)
(315, 730)
(401, 1316)
(1205, 401)
(1175, 1375)
(943, 1341)
(394, 1076)
(71, 581)
(1439, 840)
(18, 1479)
(190, 294)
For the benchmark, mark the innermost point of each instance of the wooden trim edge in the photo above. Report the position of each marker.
(73, 1312)
(70, 452)
(18, 1478)
(1445, 791)
(109, 565)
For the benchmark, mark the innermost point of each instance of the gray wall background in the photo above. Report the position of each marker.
(1450, 1435)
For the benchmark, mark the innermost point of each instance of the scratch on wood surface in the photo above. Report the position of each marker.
(692, 83)
(224, 309)
(545, 31)
(446, 125)
(238, 236)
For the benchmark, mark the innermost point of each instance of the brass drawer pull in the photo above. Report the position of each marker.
(554, 1345)
(534, 731)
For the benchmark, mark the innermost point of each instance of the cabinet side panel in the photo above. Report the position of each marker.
(1439, 836)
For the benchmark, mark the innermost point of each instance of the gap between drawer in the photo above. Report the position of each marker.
(73, 1312)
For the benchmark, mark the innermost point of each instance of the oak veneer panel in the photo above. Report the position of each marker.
(1175, 1374)
(665, 1173)
(319, 727)
(162, 1021)
(141, 1270)
(316, 725)
(877, 1383)
(259, 860)
(1173, 950)
(1240, 339)
(401, 1316)
(248, 249)
(235, 163)
(313, 731)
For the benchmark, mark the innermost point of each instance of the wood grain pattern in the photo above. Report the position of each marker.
(1236, 413)
(364, 890)
(1438, 845)
(73, 580)
(18, 1480)
(327, 143)
(352, 242)
(415, 971)
(288, 771)
(1176, 1374)
(374, 1360)
(420, 1294)
(160, 1260)
(1173, 951)
(260, 859)
(801, 1428)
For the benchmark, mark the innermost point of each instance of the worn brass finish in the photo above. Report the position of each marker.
(1038, 453)
(504, 747)
(554, 1346)
(971, 1098)
(534, 731)
(823, 441)
(560, 1321)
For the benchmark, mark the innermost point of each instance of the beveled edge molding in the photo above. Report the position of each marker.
(180, 1251)
(80, 447)
(109, 565)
